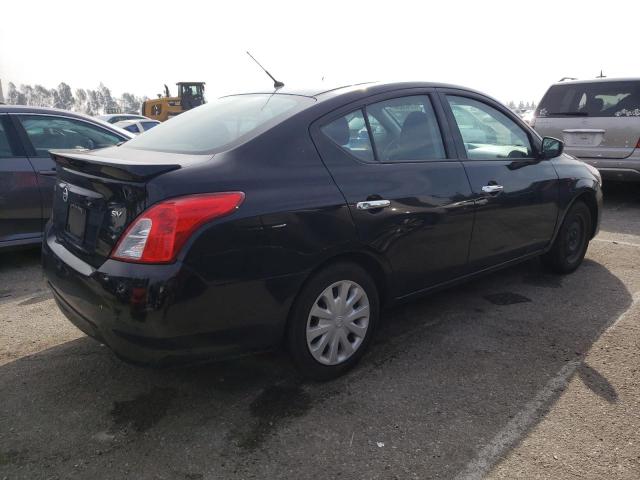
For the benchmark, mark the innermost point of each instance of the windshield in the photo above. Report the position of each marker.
(214, 126)
(597, 99)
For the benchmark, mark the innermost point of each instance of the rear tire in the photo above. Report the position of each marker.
(332, 321)
(571, 244)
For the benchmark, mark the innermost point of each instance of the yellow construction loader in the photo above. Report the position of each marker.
(190, 95)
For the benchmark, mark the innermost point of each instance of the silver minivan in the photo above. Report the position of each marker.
(598, 121)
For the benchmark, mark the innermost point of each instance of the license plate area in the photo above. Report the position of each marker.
(583, 138)
(76, 221)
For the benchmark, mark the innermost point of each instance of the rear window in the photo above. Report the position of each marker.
(597, 99)
(216, 125)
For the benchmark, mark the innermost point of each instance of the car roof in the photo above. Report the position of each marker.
(65, 113)
(599, 80)
(42, 110)
(367, 88)
(128, 122)
(111, 115)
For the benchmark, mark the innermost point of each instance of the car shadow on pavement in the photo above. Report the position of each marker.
(444, 376)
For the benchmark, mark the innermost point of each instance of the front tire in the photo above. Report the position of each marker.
(570, 246)
(332, 321)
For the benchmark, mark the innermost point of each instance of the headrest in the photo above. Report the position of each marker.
(414, 120)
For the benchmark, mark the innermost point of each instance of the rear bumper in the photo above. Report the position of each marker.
(612, 169)
(163, 314)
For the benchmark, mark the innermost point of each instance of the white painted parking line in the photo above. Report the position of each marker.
(519, 424)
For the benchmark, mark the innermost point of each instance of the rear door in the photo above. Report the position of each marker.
(408, 195)
(516, 193)
(20, 209)
(594, 119)
(42, 133)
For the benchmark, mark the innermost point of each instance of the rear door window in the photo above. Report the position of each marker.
(401, 130)
(596, 99)
(405, 129)
(48, 133)
(351, 134)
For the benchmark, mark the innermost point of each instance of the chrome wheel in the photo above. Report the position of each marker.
(338, 322)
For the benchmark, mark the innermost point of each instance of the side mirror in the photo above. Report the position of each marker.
(551, 148)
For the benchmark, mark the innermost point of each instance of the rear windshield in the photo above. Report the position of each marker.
(597, 99)
(214, 126)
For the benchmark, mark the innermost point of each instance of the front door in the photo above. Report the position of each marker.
(516, 192)
(20, 209)
(409, 197)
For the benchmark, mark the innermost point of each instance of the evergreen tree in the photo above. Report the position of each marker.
(41, 97)
(89, 102)
(94, 100)
(130, 103)
(81, 102)
(65, 97)
(107, 102)
(27, 93)
(14, 97)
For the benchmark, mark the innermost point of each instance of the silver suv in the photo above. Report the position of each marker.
(599, 122)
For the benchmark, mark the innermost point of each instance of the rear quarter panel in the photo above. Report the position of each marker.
(292, 219)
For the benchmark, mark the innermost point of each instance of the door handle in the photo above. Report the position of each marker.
(51, 172)
(372, 204)
(492, 188)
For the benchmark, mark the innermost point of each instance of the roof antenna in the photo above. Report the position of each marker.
(601, 75)
(276, 83)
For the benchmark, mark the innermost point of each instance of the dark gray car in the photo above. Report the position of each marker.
(27, 172)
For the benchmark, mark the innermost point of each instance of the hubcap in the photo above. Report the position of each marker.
(338, 322)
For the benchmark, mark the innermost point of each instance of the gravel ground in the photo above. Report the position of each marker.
(520, 374)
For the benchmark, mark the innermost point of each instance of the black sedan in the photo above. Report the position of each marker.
(27, 172)
(294, 216)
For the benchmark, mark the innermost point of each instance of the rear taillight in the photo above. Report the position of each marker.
(638, 144)
(158, 234)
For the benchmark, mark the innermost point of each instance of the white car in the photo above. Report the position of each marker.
(137, 126)
(119, 117)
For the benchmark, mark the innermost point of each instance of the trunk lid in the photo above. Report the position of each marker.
(98, 194)
(595, 119)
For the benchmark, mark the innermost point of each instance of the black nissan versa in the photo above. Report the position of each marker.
(293, 216)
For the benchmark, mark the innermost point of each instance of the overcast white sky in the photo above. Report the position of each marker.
(509, 49)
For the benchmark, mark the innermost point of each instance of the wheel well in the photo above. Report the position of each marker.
(589, 200)
(368, 263)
